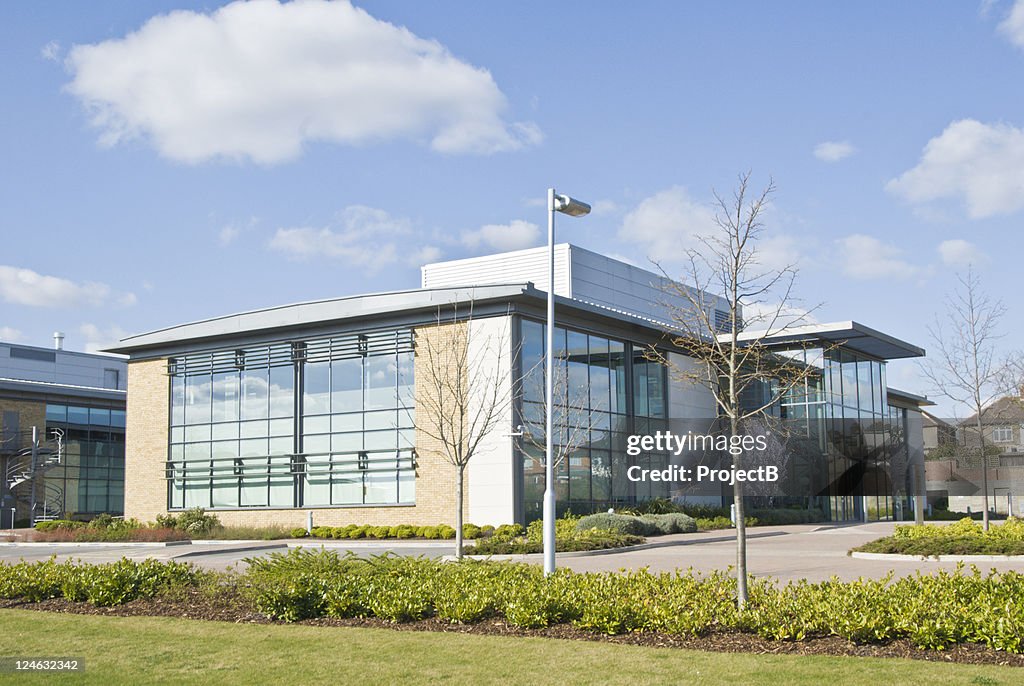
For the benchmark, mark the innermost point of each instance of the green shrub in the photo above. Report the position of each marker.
(506, 532)
(445, 531)
(617, 523)
(671, 523)
(470, 531)
(299, 533)
(964, 537)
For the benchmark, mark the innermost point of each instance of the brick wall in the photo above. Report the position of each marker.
(145, 489)
(30, 413)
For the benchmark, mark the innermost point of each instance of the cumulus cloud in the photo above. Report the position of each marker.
(10, 334)
(866, 257)
(20, 286)
(515, 235)
(959, 253)
(99, 338)
(256, 80)
(833, 151)
(363, 237)
(981, 164)
(666, 224)
(1012, 27)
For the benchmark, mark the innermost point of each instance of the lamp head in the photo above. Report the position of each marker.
(571, 206)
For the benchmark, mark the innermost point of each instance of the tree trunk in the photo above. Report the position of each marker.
(458, 512)
(984, 471)
(741, 527)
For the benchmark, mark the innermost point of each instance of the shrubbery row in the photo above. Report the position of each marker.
(402, 531)
(114, 583)
(965, 537)
(931, 611)
(643, 525)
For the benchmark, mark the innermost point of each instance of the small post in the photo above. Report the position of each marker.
(309, 522)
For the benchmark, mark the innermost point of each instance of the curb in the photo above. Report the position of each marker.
(90, 544)
(227, 549)
(937, 558)
(624, 549)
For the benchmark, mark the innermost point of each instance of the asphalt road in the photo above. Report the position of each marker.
(813, 552)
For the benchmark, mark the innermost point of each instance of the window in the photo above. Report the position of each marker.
(242, 436)
(111, 378)
(1002, 434)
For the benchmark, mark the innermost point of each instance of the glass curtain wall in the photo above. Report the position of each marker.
(301, 424)
(853, 463)
(603, 392)
(90, 478)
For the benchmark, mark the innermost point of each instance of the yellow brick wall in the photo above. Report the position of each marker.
(146, 452)
(145, 489)
(30, 413)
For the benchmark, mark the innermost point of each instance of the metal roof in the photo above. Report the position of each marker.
(852, 335)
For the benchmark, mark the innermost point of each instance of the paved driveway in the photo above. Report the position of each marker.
(812, 552)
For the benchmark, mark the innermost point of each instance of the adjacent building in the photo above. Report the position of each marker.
(263, 416)
(63, 433)
(955, 465)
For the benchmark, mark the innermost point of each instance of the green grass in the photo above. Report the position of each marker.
(157, 650)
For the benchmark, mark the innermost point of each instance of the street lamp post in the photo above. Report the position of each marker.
(573, 208)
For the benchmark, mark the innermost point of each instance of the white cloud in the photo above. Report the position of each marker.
(833, 151)
(866, 257)
(97, 338)
(666, 223)
(960, 253)
(1013, 25)
(25, 287)
(256, 80)
(778, 251)
(10, 334)
(515, 235)
(982, 164)
(364, 237)
(50, 51)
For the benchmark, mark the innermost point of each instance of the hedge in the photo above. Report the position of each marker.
(965, 537)
(400, 531)
(933, 611)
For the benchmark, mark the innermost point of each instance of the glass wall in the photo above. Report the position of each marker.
(300, 424)
(855, 463)
(603, 392)
(90, 478)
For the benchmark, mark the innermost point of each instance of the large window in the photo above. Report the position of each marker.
(243, 435)
(604, 391)
(89, 479)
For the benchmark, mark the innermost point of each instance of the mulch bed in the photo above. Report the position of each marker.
(193, 604)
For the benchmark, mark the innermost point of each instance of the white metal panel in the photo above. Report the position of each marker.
(491, 469)
(518, 266)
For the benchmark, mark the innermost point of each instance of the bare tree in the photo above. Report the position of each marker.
(464, 393)
(966, 368)
(725, 268)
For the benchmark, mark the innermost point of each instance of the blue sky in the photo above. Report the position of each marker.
(169, 161)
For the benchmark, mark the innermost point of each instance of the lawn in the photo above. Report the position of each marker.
(157, 650)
